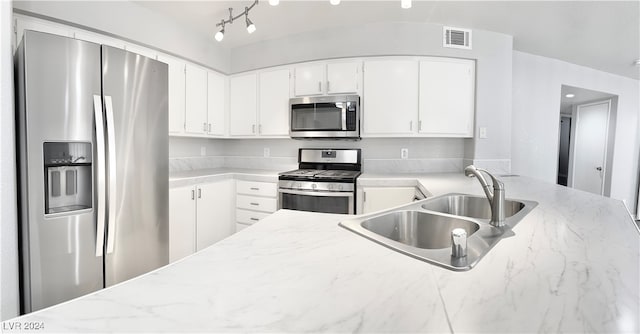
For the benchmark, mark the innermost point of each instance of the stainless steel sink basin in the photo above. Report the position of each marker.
(418, 229)
(423, 229)
(470, 206)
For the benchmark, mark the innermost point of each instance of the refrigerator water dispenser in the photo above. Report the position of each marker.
(67, 177)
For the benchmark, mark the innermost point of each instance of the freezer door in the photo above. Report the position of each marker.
(57, 80)
(135, 91)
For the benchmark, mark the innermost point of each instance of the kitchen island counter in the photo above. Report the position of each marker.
(572, 266)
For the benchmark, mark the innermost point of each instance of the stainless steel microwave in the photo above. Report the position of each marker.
(327, 117)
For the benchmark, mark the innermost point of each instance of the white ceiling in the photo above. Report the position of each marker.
(604, 35)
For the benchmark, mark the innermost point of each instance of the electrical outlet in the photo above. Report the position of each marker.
(404, 153)
(203, 151)
(266, 152)
(483, 133)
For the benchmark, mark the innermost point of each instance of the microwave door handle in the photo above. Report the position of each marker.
(100, 175)
(111, 148)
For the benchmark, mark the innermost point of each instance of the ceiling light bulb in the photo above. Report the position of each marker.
(405, 4)
(334, 2)
(637, 62)
(219, 35)
(570, 95)
(274, 2)
(251, 27)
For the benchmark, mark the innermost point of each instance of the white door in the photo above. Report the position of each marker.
(196, 100)
(590, 149)
(342, 78)
(390, 97)
(243, 105)
(215, 207)
(274, 103)
(447, 97)
(308, 80)
(176, 93)
(216, 93)
(182, 222)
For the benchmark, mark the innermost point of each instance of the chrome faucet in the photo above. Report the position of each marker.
(495, 197)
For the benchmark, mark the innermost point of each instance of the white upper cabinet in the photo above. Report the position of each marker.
(216, 103)
(149, 53)
(447, 92)
(243, 103)
(309, 79)
(327, 78)
(390, 97)
(196, 100)
(343, 78)
(273, 104)
(176, 93)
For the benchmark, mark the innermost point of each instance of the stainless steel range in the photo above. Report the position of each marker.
(325, 181)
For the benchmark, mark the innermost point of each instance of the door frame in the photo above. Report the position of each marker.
(574, 132)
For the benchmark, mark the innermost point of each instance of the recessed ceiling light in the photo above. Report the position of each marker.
(637, 62)
(274, 2)
(570, 95)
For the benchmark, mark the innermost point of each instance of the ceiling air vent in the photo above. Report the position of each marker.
(456, 38)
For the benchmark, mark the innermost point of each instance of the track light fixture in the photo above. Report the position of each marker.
(250, 26)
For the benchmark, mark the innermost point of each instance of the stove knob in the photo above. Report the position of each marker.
(330, 186)
(339, 187)
(296, 185)
(314, 186)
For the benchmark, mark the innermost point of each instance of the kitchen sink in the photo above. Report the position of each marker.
(418, 229)
(470, 206)
(423, 229)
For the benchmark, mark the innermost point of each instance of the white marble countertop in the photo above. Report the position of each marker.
(572, 266)
(190, 177)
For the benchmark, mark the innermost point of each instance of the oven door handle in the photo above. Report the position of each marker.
(316, 193)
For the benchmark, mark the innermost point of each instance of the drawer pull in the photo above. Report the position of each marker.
(256, 189)
(254, 219)
(256, 204)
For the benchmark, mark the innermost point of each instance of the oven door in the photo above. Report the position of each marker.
(316, 201)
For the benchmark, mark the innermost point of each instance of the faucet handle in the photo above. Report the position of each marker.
(458, 243)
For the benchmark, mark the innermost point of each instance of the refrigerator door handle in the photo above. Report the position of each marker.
(111, 147)
(100, 174)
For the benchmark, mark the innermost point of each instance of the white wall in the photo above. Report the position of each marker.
(536, 107)
(9, 303)
(493, 52)
(130, 21)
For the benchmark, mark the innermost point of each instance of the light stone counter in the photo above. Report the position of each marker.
(572, 266)
(191, 177)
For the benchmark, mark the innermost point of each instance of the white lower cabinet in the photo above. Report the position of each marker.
(379, 198)
(199, 216)
(182, 222)
(254, 201)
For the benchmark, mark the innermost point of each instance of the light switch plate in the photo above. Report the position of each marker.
(203, 151)
(483, 133)
(404, 153)
(266, 152)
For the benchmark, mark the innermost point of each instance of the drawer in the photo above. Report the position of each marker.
(257, 188)
(248, 217)
(256, 203)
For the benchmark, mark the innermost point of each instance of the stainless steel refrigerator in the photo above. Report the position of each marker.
(92, 126)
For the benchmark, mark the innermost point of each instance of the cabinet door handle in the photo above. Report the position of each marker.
(209, 127)
(254, 219)
(193, 194)
(411, 126)
(204, 126)
(199, 193)
(328, 87)
(255, 204)
(256, 189)
(364, 196)
(320, 86)
(260, 128)
(253, 128)
(419, 125)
